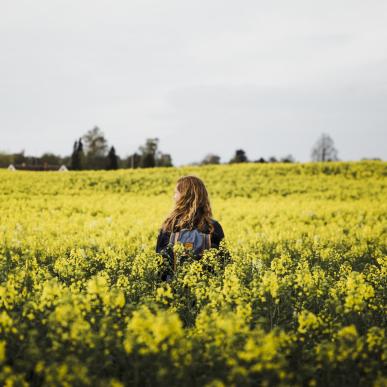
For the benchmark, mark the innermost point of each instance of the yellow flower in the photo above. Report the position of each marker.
(2, 351)
(307, 321)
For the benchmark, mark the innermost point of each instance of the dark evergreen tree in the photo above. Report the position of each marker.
(112, 159)
(76, 161)
(74, 164)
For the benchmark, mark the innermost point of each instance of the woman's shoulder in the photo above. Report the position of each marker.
(217, 227)
(163, 232)
(215, 222)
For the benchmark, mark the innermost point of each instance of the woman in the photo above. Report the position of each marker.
(192, 211)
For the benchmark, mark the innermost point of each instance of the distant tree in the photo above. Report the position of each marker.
(81, 154)
(260, 160)
(272, 159)
(95, 143)
(20, 158)
(163, 160)
(211, 159)
(66, 160)
(148, 160)
(148, 153)
(50, 159)
(287, 159)
(133, 161)
(324, 149)
(112, 159)
(193, 163)
(6, 159)
(95, 148)
(32, 160)
(240, 157)
(371, 158)
(76, 161)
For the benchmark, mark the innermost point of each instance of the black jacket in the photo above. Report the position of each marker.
(216, 236)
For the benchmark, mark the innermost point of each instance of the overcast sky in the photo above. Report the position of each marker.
(203, 76)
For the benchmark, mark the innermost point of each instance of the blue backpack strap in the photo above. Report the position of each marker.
(172, 240)
(208, 239)
(173, 237)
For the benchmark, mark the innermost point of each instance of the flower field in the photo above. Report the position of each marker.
(295, 296)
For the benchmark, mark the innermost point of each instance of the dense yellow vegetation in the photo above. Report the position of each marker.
(301, 299)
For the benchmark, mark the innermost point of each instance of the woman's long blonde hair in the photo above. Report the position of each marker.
(192, 209)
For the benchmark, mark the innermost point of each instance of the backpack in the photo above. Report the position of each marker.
(193, 240)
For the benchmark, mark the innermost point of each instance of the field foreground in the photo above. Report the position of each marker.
(296, 296)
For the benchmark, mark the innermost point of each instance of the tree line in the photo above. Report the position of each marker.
(91, 151)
